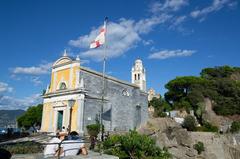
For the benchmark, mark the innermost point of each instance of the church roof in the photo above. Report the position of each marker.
(108, 77)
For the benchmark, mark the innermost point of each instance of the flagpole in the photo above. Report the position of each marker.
(103, 78)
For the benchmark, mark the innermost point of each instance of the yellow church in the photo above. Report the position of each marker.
(73, 98)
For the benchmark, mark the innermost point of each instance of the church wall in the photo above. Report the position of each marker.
(92, 108)
(123, 106)
(74, 117)
(141, 99)
(62, 75)
(47, 117)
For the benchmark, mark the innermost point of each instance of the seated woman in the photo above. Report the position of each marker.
(53, 146)
(73, 146)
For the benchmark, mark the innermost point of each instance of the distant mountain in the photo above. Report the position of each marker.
(8, 117)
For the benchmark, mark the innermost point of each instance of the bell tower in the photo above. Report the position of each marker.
(139, 75)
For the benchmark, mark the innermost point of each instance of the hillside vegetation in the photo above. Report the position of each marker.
(220, 84)
(8, 117)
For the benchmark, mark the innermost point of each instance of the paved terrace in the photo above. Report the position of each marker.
(44, 138)
(91, 155)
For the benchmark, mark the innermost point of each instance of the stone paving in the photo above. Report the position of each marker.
(91, 155)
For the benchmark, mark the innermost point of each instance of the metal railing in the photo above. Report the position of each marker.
(62, 143)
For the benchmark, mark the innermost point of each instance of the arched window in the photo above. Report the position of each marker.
(138, 76)
(62, 86)
(135, 75)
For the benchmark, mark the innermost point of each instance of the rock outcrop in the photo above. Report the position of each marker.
(180, 142)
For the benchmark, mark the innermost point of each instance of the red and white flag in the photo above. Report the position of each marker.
(100, 39)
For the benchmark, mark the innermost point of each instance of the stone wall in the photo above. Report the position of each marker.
(128, 104)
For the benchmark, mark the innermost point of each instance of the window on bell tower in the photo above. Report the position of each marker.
(138, 76)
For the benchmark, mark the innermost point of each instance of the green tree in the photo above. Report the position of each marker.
(217, 72)
(134, 146)
(160, 106)
(235, 127)
(180, 88)
(31, 118)
(220, 84)
(190, 123)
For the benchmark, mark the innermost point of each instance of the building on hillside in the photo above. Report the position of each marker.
(152, 93)
(74, 98)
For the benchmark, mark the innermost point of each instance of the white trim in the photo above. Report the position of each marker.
(54, 81)
(80, 114)
(55, 110)
(70, 78)
(55, 120)
(77, 80)
(50, 121)
(61, 98)
(62, 58)
(66, 66)
(43, 117)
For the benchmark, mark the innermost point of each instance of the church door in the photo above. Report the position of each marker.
(59, 120)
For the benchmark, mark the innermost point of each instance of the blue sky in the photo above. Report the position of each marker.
(172, 37)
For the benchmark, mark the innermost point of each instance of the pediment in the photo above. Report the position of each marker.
(62, 61)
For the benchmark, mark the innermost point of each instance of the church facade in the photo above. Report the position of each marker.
(75, 98)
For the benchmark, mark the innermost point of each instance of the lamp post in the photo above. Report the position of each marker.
(70, 104)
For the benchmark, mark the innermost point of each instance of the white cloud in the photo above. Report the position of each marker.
(164, 54)
(10, 103)
(33, 70)
(215, 6)
(127, 33)
(147, 42)
(84, 62)
(144, 26)
(4, 87)
(167, 6)
(179, 20)
(121, 37)
(176, 22)
(36, 80)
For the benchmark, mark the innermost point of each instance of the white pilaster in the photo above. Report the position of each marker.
(77, 79)
(80, 114)
(67, 117)
(43, 117)
(54, 81)
(71, 78)
(50, 122)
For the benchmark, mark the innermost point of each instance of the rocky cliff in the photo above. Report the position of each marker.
(180, 142)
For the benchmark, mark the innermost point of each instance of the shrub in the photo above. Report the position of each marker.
(23, 147)
(134, 145)
(199, 147)
(159, 114)
(189, 123)
(235, 127)
(93, 129)
(208, 127)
